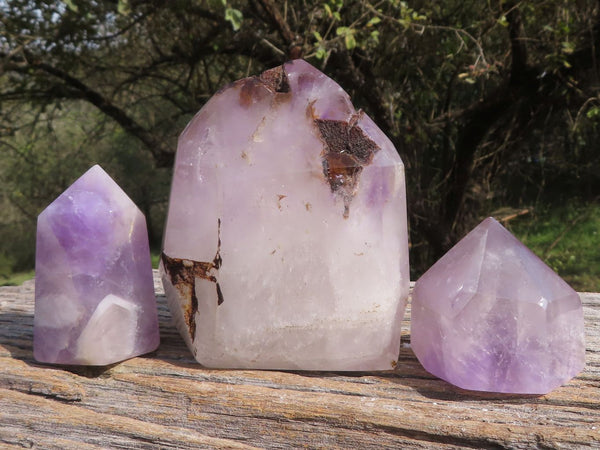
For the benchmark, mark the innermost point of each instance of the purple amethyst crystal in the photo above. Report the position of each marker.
(94, 294)
(491, 316)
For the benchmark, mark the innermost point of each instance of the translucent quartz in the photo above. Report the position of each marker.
(286, 241)
(94, 294)
(491, 316)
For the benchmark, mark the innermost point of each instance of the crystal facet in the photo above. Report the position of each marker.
(94, 293)
(491, 316)
(286, 241)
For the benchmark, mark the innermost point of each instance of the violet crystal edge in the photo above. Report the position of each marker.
(286, 240)
(491, 316)
(94, 292)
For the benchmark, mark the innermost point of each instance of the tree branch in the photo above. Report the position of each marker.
(483, 116)
(159, 150)
(283, 28)
(518, 47)
(354, 73)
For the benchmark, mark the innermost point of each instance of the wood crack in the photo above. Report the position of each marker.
(57, 396)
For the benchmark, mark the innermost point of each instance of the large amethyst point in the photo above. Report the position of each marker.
(94, 294)
(491, 316)
(286, 242)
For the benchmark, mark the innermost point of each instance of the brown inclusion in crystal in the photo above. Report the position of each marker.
(183, 273)
(272, 81)
(347, 151)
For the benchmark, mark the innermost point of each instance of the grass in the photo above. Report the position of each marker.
(155, 256)
(567, 238)
(16, 279)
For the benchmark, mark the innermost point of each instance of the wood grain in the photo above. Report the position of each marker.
(166, 400)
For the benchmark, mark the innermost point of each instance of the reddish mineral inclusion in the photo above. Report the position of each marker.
(286, 241)
(491, 316)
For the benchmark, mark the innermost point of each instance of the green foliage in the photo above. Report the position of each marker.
(72, 5)
(348, 35)
(123, 7)
(17, 253)
(332, 9)
(567, 238)
(7, 263)
(38, 170)
(234, 17)
(155, 256)
(16, 279)
(593, 112)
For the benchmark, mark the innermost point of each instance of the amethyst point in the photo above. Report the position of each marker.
(94, 293)
(491, 316)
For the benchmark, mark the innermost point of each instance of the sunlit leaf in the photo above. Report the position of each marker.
(350, 41)
(404, 23)
(71, 5)
(373, 21)
(375, 36)
(123, 7)
(568, 47)
(593, 112)
(234, 17)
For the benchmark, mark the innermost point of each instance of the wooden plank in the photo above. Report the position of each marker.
(166, 400)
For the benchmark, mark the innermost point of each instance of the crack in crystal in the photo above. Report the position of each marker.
(183, 273)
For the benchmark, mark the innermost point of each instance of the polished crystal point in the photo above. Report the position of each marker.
(94, 293)
(286, 242)
(491, 316)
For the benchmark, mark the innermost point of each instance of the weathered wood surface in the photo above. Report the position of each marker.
(166, 400)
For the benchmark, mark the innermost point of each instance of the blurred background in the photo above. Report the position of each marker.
(493, 106)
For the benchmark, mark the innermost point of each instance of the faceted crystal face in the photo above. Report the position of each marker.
(491, 316)
(286, 243)
(94, 294)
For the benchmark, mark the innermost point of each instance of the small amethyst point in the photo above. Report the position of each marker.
(491, 316)
(94, 293)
